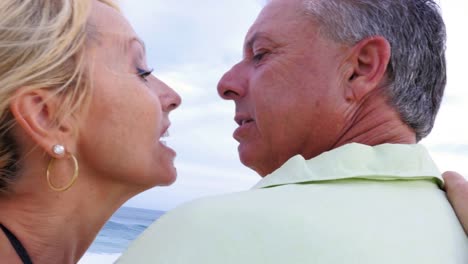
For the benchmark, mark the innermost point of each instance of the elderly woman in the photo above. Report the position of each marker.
(81, 123)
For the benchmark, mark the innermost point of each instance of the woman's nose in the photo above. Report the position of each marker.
(169, 98)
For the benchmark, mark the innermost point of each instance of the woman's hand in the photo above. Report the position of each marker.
(456, 187)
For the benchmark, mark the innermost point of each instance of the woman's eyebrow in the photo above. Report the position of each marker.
(138, 40)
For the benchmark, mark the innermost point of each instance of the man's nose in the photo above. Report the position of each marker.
(233, 84)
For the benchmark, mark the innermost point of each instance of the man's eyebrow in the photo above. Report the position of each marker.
(258, 35)
(251, 41)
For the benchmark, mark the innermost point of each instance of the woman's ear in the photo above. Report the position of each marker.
(368, 61)
(36, 112)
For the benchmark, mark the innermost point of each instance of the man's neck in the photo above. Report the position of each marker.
(375, 122)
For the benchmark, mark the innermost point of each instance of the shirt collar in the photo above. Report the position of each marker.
(382, 162)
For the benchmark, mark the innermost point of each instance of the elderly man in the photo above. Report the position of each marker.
(331, 97)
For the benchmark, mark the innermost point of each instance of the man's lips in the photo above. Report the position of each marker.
(242, 119)
(245, 123)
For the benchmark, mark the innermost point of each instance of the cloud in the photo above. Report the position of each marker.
(196, 180)
(458, 149)
(192, 43)
(186, 31)
(449, 138)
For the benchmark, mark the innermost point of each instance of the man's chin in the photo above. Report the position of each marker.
(246, 155)
(254, 162)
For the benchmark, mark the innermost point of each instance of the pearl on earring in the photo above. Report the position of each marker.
(58, 149)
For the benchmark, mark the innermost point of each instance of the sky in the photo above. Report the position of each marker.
(190, 44)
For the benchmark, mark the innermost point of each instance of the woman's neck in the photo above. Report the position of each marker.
(58, 227)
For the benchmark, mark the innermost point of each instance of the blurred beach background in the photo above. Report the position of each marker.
(123, 227)
(190, 44)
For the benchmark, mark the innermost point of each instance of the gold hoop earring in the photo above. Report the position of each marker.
(72, 181)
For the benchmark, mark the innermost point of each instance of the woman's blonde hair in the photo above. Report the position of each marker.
(42, 45)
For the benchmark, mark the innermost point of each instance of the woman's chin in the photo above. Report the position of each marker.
(165, 176)
(170, 177)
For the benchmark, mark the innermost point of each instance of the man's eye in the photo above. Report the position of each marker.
(144, 73)
(259, 56)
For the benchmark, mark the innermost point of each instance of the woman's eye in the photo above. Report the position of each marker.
(144, 73)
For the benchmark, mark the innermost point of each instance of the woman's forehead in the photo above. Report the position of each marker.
(108, 22)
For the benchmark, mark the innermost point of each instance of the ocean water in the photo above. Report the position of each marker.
(121, 229)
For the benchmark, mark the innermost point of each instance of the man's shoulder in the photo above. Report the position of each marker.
(214, 206)
(296, 223)
(249, 202)
(197, 227)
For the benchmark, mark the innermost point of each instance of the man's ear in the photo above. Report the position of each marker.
(35, 112)
(368, 61)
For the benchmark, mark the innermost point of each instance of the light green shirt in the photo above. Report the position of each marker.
(355, 204)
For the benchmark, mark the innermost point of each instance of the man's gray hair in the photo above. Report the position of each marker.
(416, 33)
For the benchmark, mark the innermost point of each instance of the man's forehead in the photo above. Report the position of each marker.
(270, 20)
